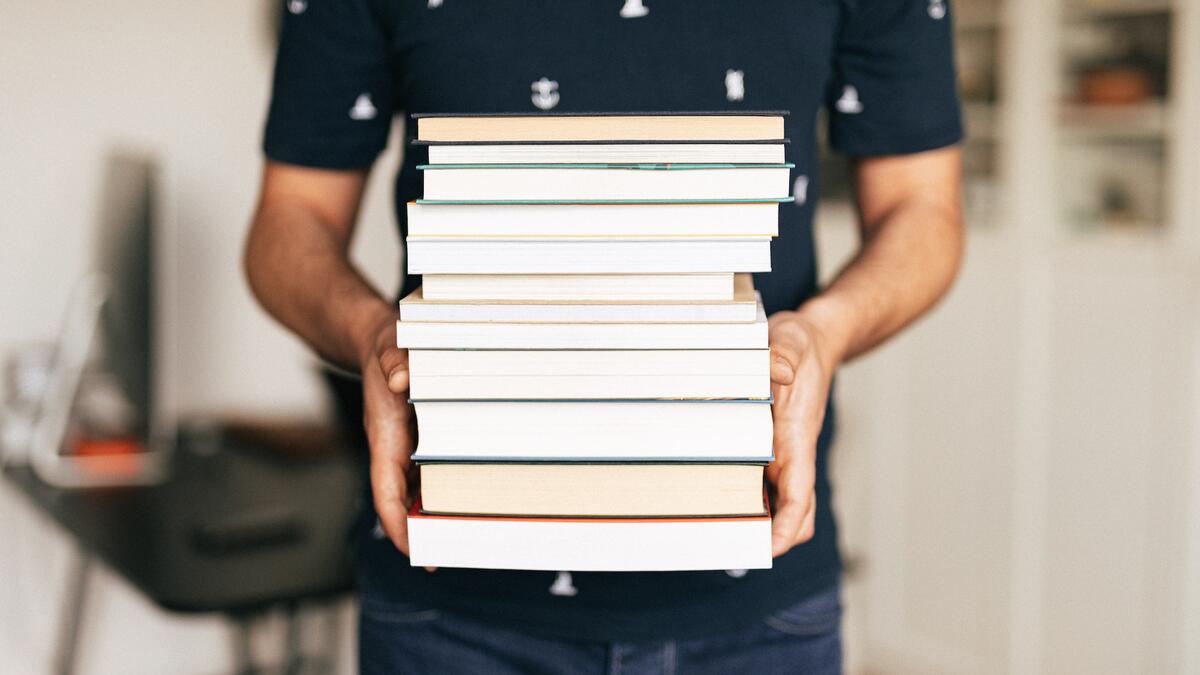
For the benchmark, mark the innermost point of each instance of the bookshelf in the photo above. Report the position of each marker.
(1054, 392)
(980, 33)
(1114, 122)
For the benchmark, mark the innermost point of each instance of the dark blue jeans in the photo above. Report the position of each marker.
(405, 638)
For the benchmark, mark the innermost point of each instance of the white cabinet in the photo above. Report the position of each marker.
(1018, 475)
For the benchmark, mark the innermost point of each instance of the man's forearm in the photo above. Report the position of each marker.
(907, 262)
(299, 270)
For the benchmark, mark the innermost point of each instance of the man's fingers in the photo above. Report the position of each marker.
(784, 362)
(391, 504)
(809, 526)
(393, 361)
(387, 418)
(387, 432)
(785, 526)
(396, 526)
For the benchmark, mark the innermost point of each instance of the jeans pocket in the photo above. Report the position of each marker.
(815, 615)
(397, 612)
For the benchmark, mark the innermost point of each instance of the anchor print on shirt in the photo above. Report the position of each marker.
(735, 85)
(937, 9)
(434, 4)
(800, 190)
(849, 103)
(297, 6)
(545, 93)
(363, 108)
(563, 585)
(633, 9)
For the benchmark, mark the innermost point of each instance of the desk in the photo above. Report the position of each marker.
(236, 529)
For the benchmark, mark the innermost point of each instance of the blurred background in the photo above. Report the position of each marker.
(1018, 476)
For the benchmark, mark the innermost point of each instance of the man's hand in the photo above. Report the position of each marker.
(910, 219)
(391, 429)
(801, 371)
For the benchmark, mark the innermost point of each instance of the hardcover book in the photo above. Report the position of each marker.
(589, 544)
(516, 374)
(593, 490)
(654, 126)
(742, 308)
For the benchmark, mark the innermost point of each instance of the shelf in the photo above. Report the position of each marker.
(977, 15)
(1114, 230)
(1115, 9)
(980, 119)
(1143, 121)
(1123, 251)
(977, 22)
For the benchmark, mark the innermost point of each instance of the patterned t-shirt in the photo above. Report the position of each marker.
(883, 69)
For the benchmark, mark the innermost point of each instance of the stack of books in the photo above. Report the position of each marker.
(588, 357)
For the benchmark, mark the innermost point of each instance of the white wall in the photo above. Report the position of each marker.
(187, 82)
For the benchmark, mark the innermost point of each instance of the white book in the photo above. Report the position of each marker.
(593, 220)
(591, 545)
(597, 287)
(592, 490)
(511, 182)
(495, 335)
(742, 308)
(457, 374)
(606, 153)
(594, 430)
(617, 127)
(437, 255)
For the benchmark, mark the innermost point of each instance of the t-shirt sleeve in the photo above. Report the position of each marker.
(893, 89)
(332, 100)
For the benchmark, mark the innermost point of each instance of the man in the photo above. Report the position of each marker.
(884, 70)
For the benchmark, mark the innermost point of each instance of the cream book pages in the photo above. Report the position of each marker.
(570, 287)
(606, 153)
(546, 182)
(590, 545)
(457, 374)
(456, 255)
(742, 308)
(606, 127)
(594, 430)
(593, 220)
(593, 490)
(496, 335)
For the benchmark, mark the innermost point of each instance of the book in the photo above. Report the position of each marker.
(605, 153)
(742, 308)
(593, 490)
(496, 335)
(632, 431)
(698, 126)
(437, 255)
(593, 220)
(461, 374)
(601, 182)
(588, 359)
(589, 545)
(595, 287)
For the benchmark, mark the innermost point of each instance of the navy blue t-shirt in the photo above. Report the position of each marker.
(882, 68)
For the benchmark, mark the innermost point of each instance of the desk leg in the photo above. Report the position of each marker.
(72, 621)
(243, 659)
(293, 660)
(333, 637)
(324, 661)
